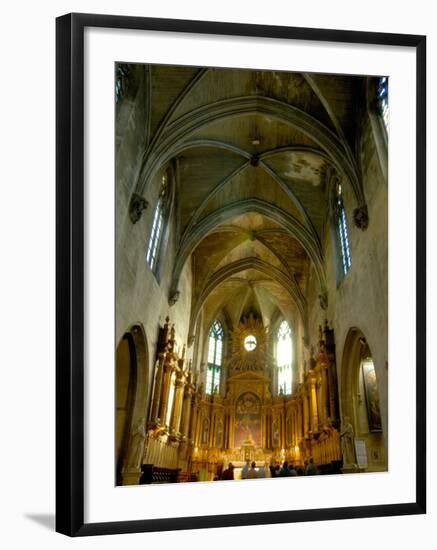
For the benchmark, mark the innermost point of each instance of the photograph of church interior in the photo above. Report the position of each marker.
(251, 272)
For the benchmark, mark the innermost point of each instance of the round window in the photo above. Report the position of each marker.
(250, 343)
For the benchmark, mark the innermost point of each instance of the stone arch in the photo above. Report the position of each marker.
(131, 390)
(262, 160)
(187, 124)
(241, 265)
(355, 403)
(296, 229)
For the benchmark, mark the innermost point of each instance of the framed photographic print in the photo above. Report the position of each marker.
(240, 274)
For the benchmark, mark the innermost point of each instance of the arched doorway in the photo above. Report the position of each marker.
(360, 403)
(131, 393)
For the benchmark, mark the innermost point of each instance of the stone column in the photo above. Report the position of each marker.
(159, 369)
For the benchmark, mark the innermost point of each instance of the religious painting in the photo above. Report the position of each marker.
(248, 421)
(372, 396)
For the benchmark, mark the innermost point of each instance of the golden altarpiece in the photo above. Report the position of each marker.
(194, 432)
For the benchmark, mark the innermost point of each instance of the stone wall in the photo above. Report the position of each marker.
(360, 299)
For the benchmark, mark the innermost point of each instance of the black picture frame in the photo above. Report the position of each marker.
(70, 273)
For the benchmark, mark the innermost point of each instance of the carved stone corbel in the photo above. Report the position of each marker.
(173, 298)
(136, 206)
(323, 300)
(361, 217)
(191, 339)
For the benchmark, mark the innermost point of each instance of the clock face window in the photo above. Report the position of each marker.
(250, 343)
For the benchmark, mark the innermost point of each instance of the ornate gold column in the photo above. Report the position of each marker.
(194, 420)
(305, 414)
(268, 430)
(332, 396)
(263, 425)
(159, 370)
(231, 428)
(313, 398)
(168, 371)
(186, 407)
(176, 412)
(294, 425)
(325, 404)
(299, 419)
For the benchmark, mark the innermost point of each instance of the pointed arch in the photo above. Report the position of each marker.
(261, 266)
(183, 127)
(294, 228)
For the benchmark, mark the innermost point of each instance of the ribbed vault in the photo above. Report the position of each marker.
(254, 152)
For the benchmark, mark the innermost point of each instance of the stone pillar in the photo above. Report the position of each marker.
(159, 370)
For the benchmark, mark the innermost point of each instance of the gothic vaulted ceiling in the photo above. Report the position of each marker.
(254, 152)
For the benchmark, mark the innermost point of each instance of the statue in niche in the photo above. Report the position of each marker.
(137, 444)
(347, 442)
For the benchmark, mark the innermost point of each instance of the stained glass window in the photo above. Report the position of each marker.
(342, 231)
(284, 358)
(382, 99)
(215, 358)
(121, 78)
(154, 244)
(250, 343)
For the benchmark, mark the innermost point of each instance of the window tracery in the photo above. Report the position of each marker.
(215, 358)
(284, 358)
(158, 225)
(382, 99)
(342, 230)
